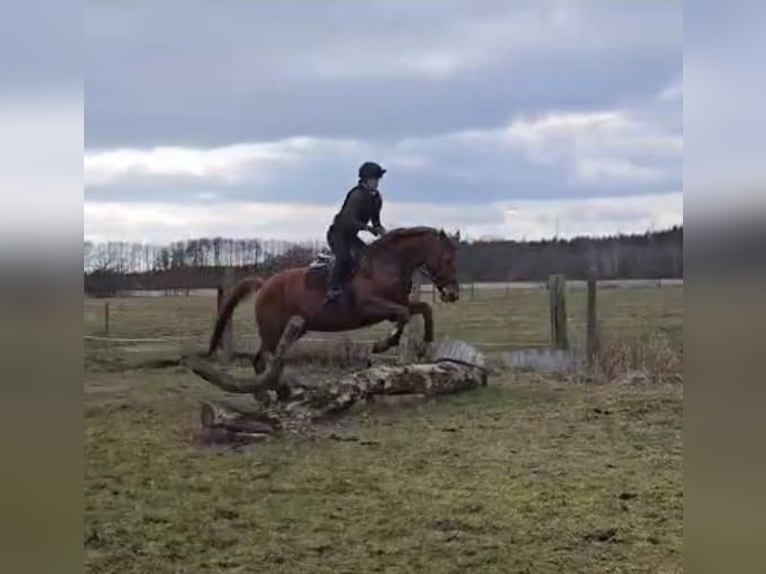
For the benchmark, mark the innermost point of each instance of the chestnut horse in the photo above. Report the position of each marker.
(292, 302)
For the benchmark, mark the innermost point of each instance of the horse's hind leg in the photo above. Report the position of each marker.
(276, 336)
(294, 330)
(259, 360)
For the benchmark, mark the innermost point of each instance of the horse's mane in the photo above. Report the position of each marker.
(394, 236)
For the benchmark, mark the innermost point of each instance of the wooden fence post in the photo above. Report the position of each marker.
(407, 342)
(558, 309)
(106, 318)
(227, 341)
(592, 342)
(416, 287)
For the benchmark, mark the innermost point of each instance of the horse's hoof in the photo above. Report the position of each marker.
(263, 397)
(378, 348)
(422, 349)
(258, 366)
(284, 393)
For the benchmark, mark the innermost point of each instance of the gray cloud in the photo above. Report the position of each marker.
(193, 104)
(201, 73)
(530, 219)
(622, 151)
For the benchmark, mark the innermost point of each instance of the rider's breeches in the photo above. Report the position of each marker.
(341, 245)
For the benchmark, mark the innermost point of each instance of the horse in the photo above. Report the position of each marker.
(293, 301)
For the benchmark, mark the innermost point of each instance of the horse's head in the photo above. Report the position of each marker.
(431, 250)
(440, 264)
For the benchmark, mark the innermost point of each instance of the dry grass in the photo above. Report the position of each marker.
(648, 357)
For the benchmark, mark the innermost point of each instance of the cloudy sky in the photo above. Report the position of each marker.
(498, 118)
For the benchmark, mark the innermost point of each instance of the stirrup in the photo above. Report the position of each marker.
(333, 295)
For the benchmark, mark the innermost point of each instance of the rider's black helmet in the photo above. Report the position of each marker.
(370, 169)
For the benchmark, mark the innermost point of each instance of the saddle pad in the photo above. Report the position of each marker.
(322, 260)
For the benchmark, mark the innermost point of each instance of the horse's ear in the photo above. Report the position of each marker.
(457, 236)
(442, 234)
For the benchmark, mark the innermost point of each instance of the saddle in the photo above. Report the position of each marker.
(324, 262)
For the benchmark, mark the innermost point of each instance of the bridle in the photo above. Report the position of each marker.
(438, 283)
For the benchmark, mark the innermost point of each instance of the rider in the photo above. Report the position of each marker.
(361, 206)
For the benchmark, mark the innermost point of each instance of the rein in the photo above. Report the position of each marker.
(428, 275)
(420, 268)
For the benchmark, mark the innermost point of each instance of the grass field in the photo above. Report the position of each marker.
(527, 475)
(492, 319)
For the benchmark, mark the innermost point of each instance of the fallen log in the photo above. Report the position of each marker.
(226, 417)
(427, 379)
(446, 351)
(456, 367)
(316, 403)
(227, 424)
(224, 381)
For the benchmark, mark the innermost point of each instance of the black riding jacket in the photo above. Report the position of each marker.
(362, 205)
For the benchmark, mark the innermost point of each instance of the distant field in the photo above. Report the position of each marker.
(529, 474)
(493, 319)
(468, 287)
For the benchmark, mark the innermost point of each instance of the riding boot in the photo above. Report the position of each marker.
(333, 294)
(336, 286)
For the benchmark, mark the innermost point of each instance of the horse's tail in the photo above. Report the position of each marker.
(239, 291)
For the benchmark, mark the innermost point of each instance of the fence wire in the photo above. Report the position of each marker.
(492, 317)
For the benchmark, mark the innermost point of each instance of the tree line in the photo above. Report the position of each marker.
(112, 267)
(130, 258)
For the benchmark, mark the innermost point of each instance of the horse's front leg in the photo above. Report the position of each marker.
(389, 342)
(414, 308)
(384, 310)
(424, 310)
